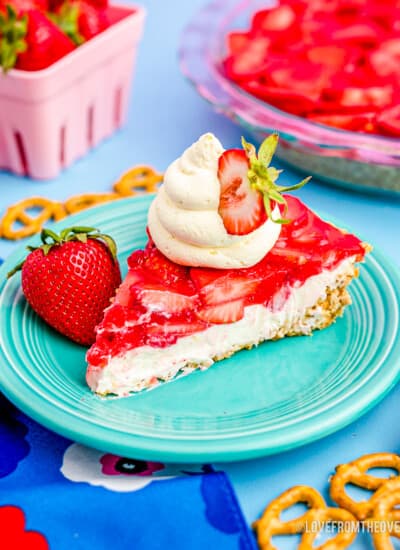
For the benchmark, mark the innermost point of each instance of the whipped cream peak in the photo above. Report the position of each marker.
(184, 221)
(204, 153)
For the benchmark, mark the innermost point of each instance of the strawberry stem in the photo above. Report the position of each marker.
(48, 233)
(13, 29)
(67, 20)
(18, 267)
(77, 233)
(263, 177)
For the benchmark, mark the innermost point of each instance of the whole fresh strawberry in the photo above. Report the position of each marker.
(91, 20)
(70, 279)
(81, 20)
(30, 41)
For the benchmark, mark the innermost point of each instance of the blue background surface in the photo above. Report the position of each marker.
(166, 115)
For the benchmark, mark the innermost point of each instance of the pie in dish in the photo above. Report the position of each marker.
(230, 262)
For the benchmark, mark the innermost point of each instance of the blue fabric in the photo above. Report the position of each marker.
(73, 497)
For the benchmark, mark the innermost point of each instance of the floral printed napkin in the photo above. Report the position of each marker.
(59, 495)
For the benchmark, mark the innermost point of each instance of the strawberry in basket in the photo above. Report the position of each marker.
(30, 41)
(35, 34)
(81, 20)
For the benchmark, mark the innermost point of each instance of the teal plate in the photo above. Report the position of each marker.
(278, 396)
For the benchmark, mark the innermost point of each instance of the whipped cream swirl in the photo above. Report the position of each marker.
(184, 221)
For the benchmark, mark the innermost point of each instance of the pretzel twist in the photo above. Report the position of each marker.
(270, 523)
(347, 526)
(137, 180)
(140, 178)
(81, 202)
(385, 518)
(309, 524)
(355, 473)
(18, 223)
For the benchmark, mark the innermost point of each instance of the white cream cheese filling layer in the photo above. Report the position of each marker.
(140, 368)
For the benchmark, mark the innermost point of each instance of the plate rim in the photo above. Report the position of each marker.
(188, 450)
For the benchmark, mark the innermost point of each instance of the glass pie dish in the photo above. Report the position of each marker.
(356, 160)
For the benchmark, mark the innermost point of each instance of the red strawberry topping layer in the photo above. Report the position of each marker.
(327, 60)
(160, 301)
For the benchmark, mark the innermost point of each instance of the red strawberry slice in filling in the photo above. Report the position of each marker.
(161, 299)
(359, 122)
(300, 75)
(160, 266)
(385, 60)
(333, 56)
(133, 277)
(280, 18)
(367, 34)
(241, 207)
(237, 41)
(229, 312)
(358, 99)
(389, 121)
(224, 287)
(230, 285)
(162, 334)
(250, 61)
(291, 101)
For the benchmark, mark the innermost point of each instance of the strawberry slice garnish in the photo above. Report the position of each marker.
(241, 207)
(248, 188)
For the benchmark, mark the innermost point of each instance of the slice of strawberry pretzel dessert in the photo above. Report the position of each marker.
(230, 262)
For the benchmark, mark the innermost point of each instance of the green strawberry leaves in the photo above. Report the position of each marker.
(13, 30)
(67, 20)
(263, 177)
(50, 239)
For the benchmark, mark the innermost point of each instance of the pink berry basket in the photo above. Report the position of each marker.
(52, 117)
